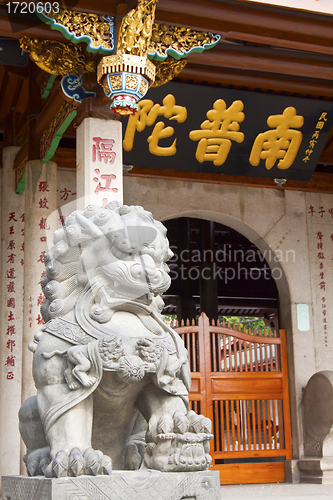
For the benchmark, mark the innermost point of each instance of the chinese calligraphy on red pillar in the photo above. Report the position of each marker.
(44, 227)
(14, 260)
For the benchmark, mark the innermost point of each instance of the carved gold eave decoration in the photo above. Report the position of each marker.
(172, 41)
(170, 45)
(138, 35)
(127, 75)
(167, 70)
(166, 45)
(97, 31)
(56, 58)
(136, 29)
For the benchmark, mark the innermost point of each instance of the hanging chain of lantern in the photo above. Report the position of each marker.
(127, 75)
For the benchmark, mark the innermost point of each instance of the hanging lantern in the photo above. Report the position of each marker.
(125, 79)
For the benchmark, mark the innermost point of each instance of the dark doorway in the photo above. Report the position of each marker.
(218, 271)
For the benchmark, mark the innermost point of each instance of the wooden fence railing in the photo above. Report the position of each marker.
(240, 381)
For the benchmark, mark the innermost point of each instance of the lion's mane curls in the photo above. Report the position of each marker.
(122, 245)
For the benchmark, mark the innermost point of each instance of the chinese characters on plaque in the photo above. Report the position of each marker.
(315, 136)
(206, 129)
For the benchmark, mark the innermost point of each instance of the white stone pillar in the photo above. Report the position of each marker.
(99, 162)
(66, 194)
(11, 319)
(40, 223)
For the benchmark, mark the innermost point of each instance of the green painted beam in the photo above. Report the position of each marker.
(58, 135)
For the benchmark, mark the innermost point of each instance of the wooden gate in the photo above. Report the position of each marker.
(240, 381)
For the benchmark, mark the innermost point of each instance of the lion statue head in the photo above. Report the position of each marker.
(118, 254)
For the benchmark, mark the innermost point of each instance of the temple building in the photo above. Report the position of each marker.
(217, 118)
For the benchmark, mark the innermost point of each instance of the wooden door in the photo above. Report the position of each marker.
(240, 381)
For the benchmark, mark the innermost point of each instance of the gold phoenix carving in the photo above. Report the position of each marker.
(85, 24)
(167, 70)
(182, 40)
(136, 29)
(138, 35)
(56, 58)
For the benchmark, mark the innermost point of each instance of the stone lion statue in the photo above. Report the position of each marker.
(112, 378)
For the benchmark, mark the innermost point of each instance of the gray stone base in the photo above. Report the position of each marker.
(292, 471)
(120, 485)
(316, 470)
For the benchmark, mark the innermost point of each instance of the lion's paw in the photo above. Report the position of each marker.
(37, 461)
(134, 452)
(179, 442)
(91, 463)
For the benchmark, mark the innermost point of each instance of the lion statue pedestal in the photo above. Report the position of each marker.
(120, 485)
(112, 378)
